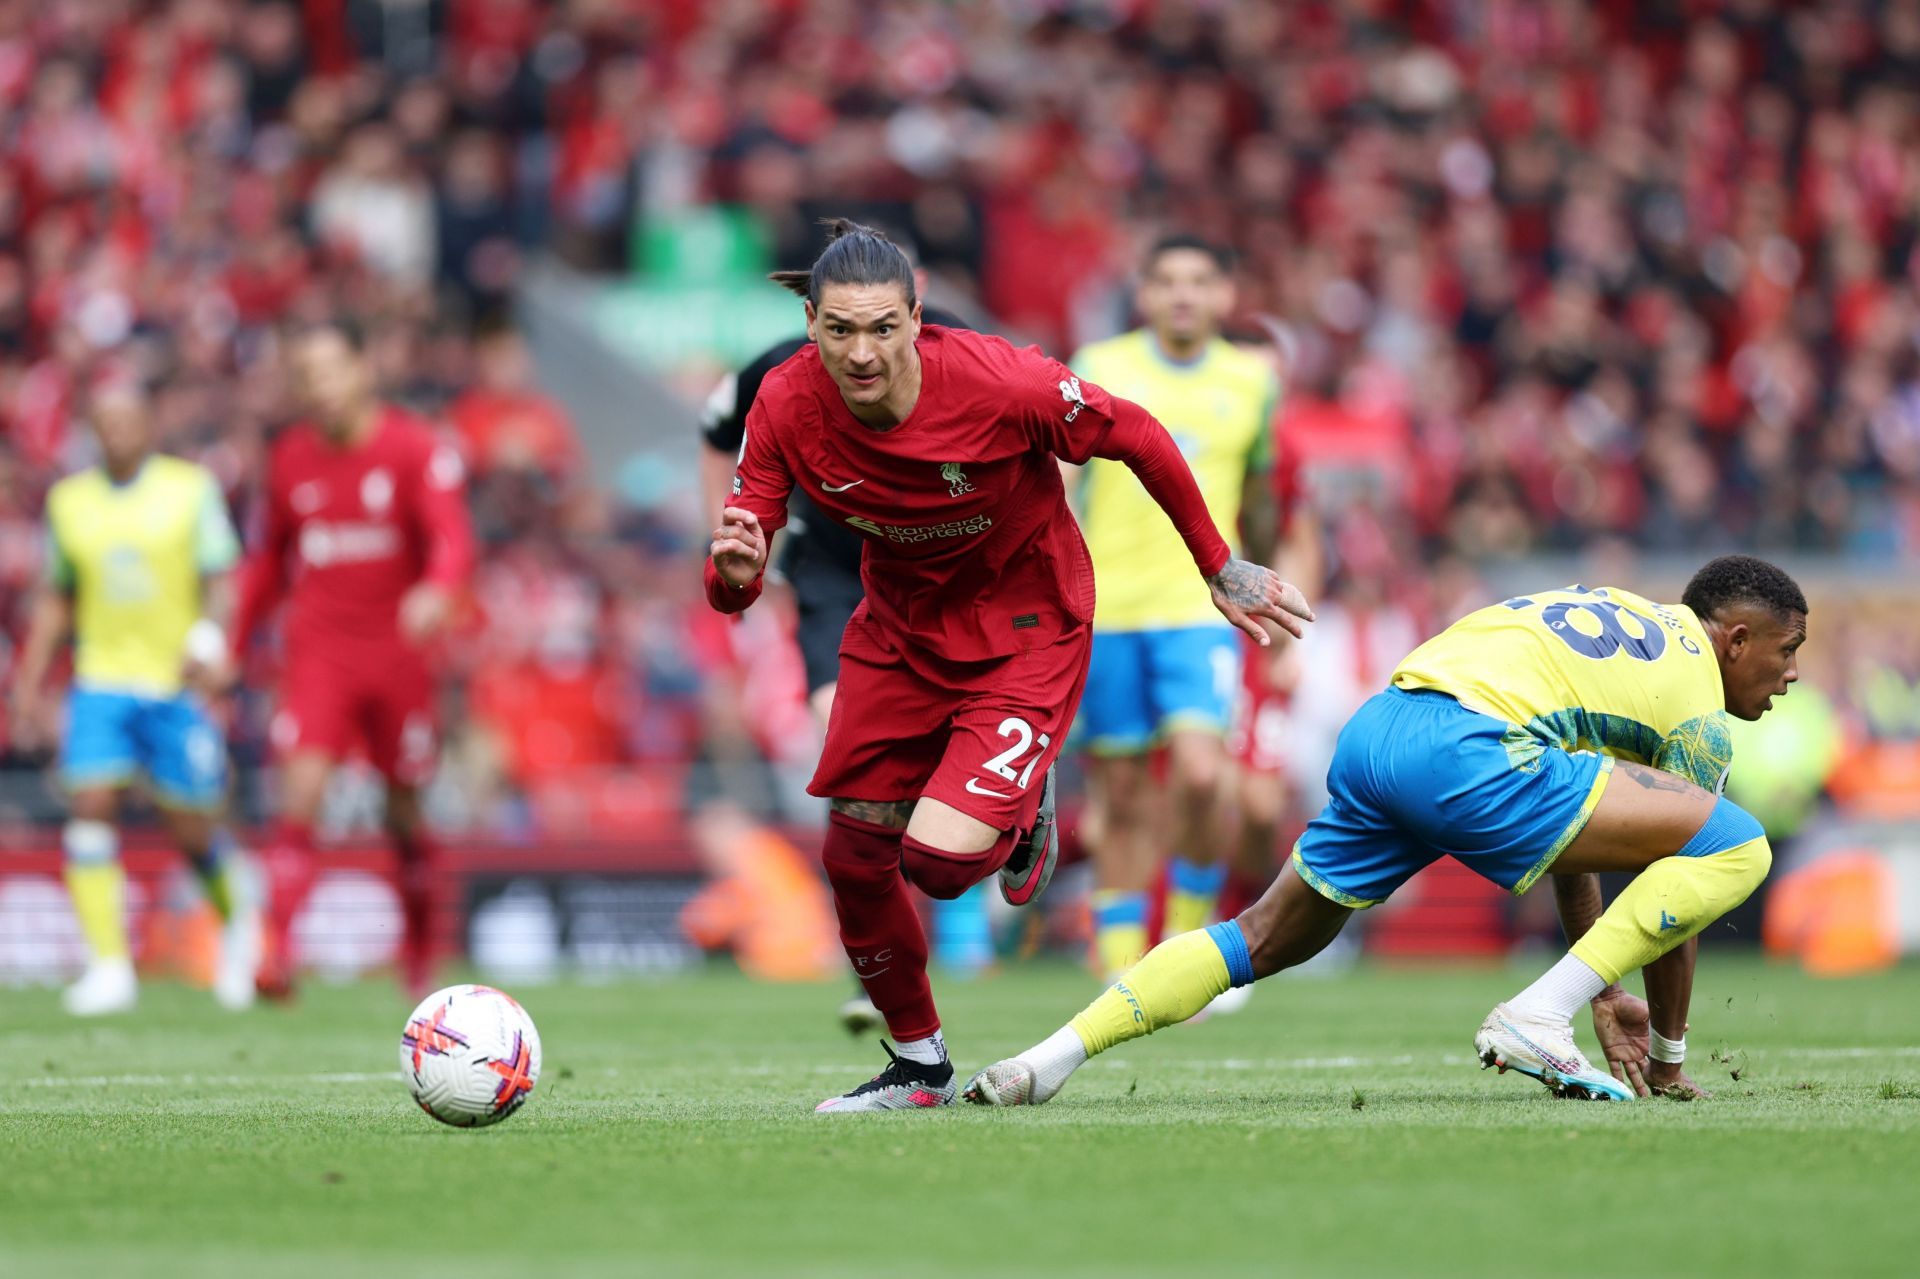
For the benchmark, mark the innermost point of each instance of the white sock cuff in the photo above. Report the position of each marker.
(1056, 1057)
(90, 843)
(930, 1051)
(1562, 990)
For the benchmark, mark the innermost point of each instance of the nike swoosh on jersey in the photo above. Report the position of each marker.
(978, 789)
(838, 488)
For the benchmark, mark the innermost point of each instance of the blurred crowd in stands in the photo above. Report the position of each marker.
(1544, 276)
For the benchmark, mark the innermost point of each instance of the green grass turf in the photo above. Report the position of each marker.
(1336, 1127)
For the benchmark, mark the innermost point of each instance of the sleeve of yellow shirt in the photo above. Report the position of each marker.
(1700, 750)
(59, 565)
(216, 544)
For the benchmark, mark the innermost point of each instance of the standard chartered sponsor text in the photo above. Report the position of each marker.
(923, 532)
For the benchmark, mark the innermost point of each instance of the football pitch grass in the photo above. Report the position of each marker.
(1337, 1127)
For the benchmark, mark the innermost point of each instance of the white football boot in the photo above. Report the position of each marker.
(108, 986)
(903, 1085)
(1011, 1082)
(1545, 1050)
(234, 980)
(1033, 1078)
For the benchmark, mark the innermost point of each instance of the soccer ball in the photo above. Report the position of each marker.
(470, 1055)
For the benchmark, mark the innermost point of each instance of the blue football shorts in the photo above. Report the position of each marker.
(1416, 777)
(1142, 685)
(113, 737)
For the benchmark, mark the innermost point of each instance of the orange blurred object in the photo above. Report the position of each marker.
(184, 944)
(1836, 916)
(1879, 779)
(765, 902)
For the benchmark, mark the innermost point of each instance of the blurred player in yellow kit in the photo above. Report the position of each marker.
(1166, 669)
(1571, 731)
(139, 548)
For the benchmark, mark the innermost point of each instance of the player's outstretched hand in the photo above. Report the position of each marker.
(1244, 591)
(210, 679)
(739, 547)
(424, 612)
(1621, 1024)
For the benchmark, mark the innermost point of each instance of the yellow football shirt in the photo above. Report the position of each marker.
(1599, 670)
(1219, 410)
(132, 556)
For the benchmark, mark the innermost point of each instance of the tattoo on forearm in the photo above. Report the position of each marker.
(893, 814)
(1654, 779)
(1578, 900)
(1244, 585)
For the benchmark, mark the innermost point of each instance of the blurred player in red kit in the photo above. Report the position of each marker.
(364, 524)
(961, 671)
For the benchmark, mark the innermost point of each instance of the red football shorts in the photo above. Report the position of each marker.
(978, 736)
(381, 710)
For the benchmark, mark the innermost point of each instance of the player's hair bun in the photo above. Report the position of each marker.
(855, 254)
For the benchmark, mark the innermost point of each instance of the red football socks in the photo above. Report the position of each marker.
(288, 863)
(879, 924)
(419, 857)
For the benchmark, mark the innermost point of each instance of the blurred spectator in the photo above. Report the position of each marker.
(369, 206)
(506, 424)
(1551, 276)
(1666, 265)
(474, 220)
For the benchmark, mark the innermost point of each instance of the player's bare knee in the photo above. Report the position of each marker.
(1260, 808)
(1196, 779)
(1128, 802)
(94, 804)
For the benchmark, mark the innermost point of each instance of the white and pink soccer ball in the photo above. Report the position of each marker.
(470, 1055)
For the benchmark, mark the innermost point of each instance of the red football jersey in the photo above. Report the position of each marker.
(351, 529)
(971, 549)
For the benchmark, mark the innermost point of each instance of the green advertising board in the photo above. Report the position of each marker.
(700, 292)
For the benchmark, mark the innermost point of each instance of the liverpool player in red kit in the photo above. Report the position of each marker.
(960, 673)
(364, 523)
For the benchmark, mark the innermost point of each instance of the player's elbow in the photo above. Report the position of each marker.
(1199, 772)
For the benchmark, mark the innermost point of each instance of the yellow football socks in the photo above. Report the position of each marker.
(97, 886)
(1177, 979)
(1193, 891)
(1119, 930)
(1669, 902)
(99, 895)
